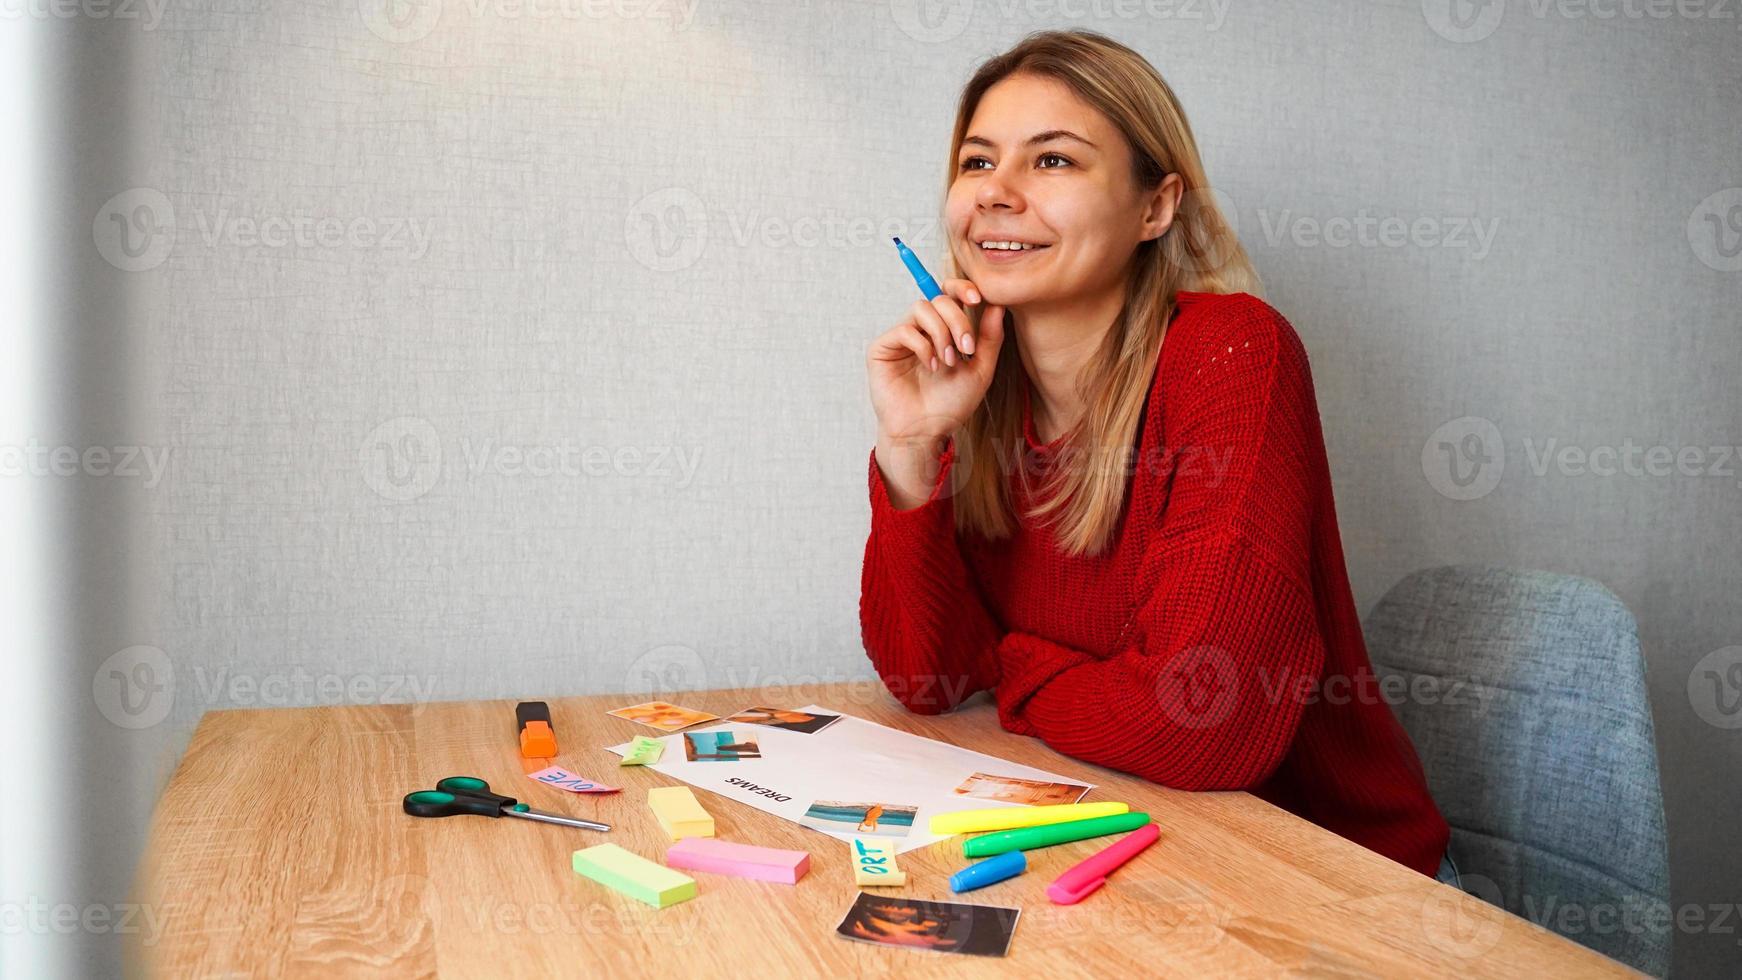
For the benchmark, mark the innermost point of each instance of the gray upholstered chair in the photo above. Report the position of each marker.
(1543, 760)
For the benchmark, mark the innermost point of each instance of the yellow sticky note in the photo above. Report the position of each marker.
(678, 812)
(874, 862)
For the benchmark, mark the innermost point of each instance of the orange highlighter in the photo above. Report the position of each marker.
(1078, 883)
(537, 738)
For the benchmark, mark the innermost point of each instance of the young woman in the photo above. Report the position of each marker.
(1099, 488)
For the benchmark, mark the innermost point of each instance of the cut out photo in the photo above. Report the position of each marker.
(880, 819)
(1015, 789)
(662, 715)
(726, 746)
(945, 927)
(793, 721)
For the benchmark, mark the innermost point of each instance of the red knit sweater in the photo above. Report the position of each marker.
(1214, 645)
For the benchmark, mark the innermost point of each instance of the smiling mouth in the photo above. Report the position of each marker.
(1006, 245)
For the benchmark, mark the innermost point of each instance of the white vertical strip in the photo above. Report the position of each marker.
(34, 865)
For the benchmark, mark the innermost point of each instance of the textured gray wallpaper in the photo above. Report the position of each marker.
(482, 348)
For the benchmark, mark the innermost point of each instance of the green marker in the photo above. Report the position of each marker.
(1046, 835)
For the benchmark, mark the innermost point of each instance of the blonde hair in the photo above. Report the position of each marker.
(1198, 253)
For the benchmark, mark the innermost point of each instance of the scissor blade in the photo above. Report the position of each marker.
(543, 817)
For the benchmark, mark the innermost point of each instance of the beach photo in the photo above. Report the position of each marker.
(1015, 789)
(882, 819)
(721, 746)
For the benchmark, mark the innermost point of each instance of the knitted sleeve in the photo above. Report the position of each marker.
(1224, 642)
(925, 627)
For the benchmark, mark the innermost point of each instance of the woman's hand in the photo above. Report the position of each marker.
(923, 388)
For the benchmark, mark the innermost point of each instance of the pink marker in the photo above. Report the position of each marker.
(740, 860)
(1078, 883)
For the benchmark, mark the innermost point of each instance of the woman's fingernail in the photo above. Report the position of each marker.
(950, 354)
(967, 343)
(973, 296)
(934, 365)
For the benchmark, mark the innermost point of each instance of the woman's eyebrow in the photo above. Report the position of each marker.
(1035, 140)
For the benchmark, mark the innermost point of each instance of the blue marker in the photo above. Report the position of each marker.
(989, 872)
(927, 284)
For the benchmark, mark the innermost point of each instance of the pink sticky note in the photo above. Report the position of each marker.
(560, 778)
(741, 860)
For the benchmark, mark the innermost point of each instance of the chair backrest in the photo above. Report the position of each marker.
(1529, 710)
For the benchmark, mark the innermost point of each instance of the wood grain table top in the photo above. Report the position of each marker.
(279, 849)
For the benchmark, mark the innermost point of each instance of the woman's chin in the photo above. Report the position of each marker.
(1011, 296)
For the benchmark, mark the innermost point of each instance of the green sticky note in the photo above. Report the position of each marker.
(643, 751)
(634, 875)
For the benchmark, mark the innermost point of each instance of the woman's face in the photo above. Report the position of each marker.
(1038, 165)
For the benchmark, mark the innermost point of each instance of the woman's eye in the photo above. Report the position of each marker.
(972, 163)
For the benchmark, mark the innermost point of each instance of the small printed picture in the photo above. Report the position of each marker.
(662, 715)
(881, 819)
(791, 720)
(724, 746)
(947, 927)
(1015, 789)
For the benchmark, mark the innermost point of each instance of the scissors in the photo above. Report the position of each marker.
(469, 794)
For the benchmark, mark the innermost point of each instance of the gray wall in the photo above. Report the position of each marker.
(495, 354)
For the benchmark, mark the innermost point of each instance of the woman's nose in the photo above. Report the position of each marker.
(996, 190)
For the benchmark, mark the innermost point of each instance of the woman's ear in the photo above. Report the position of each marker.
(1161, 205)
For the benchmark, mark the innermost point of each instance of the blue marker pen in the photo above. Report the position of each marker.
(989, 872)
(927, 284)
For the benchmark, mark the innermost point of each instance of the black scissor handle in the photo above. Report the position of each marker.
(473, 786)
(456, 795)
(435, 803)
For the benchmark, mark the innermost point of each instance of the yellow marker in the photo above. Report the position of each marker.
(634, 875)
(679, 813)
(874, 862)
(1009, 818)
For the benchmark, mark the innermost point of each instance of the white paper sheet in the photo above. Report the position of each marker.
(851, 761)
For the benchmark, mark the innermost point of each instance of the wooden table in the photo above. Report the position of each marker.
(279, 848)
